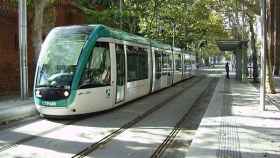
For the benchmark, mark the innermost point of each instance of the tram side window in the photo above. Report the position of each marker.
(170, 60)
(187, 64)
(166, 64)
(132, 62)
(120, 64)
(143, 63)
(98, 69)
(178, 62)
(158, 63)
(137, 63)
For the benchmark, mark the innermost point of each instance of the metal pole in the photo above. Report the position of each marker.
(243, 20)
(173, 37)
(23, 48)
(263, 52)
(236, 21)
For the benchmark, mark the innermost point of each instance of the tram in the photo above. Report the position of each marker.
(86, 69)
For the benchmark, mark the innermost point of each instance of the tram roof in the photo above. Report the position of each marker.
(105, 31)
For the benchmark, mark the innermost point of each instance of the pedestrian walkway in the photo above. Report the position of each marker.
(13, 108)
(234, 125)
(277, 83)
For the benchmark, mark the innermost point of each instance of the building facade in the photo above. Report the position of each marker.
(59, 14)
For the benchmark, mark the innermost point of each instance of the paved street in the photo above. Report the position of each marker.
(134, 130)
(165, 124)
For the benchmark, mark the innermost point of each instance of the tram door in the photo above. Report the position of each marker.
(96, 88)
(120, 69)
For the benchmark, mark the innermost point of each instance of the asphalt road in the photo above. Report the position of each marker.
(158, 125)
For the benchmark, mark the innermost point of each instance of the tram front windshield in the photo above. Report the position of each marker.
(59, 56)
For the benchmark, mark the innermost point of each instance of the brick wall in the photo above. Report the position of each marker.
(65, 14)
(68, 15)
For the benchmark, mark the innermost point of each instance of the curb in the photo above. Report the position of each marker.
(17, 112)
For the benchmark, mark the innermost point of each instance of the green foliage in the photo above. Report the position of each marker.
(93, 4)
(227, 56)
(195, 20)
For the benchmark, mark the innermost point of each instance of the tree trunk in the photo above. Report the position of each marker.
(37, 39)
(254, 50)
(271, 39)
(270, 83)
(277, 38)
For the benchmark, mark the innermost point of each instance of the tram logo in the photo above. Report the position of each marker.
(49, 103)
(108, 92)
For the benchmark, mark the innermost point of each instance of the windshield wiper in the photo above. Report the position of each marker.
(51, 86)
(38, 86)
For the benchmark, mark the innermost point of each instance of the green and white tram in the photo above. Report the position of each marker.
(85, 69)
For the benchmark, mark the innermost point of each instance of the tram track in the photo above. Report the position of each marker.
(179, 125)
(273, 100)
(8, 146)
(111, 136)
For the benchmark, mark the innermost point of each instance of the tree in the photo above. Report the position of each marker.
(277, 38)
(38, 23)
(110, 15)
(251, 21)
(251, 10)
(195, 22)
(270, 53)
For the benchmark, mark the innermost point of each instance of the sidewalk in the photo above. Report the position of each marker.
(277, 83)
(235, 127)
(13, 108)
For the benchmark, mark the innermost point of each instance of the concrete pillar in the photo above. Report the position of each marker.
(244, 62)
(238, 59)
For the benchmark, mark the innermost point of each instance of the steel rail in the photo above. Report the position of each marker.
(178, 127)
(86, 151)
(7, 146)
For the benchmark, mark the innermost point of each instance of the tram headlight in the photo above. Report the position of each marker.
(38, 93)
(66, 93)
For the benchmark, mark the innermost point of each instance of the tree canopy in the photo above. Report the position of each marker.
(191, 22)
(194, 24)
